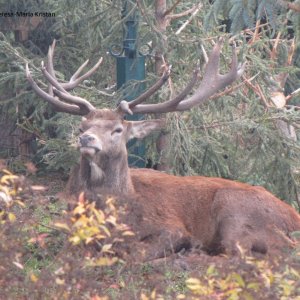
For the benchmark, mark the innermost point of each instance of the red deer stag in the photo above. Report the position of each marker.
(174, 211)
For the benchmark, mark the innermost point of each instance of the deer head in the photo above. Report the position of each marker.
(104, 133)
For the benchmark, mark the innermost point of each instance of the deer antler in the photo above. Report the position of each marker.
(212, 82)
(56, 91)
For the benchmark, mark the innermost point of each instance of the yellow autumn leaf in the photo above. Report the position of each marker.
(122, 283)
(33, 278)
(7, 172)
(79, 209)
(83, 221)
(153, 295)
(11, 217)
(253, 286)
(238, 278)
(193, 283)
(59, 281)
(144, 297)
(110, 200)
(91, 230)
(112, 220)
(75, 240)
(211, 270)
(88, 240)
(106, 231)
(62, 226)
(105, 261)
(128, 233)
(100, 237)
(295, 273)
(7, 179)
(22, 204)
(99, 215)
(106, 248)
(5, 195)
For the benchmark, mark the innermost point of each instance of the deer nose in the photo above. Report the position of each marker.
(86, 139)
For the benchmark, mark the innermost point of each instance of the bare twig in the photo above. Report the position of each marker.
(256, 88)
(204, 54)
(291, 95)
(262, 96)
(256, 31)
(195, 10)
(274, 50)
(182, 14)
(168, 11)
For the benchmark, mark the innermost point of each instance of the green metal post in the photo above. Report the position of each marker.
(131, 66)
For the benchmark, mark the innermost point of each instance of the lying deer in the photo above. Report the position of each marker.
(175, 211)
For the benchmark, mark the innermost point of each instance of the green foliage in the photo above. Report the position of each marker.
(243, 14)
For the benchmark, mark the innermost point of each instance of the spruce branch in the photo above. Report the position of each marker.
(168, 11)
(184, 13)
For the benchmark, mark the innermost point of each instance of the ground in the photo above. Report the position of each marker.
(44, 255)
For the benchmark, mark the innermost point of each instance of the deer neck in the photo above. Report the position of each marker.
(107, 174)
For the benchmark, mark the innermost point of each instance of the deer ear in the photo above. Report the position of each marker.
(140, 129)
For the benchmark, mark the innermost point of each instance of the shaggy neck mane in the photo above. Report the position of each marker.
(106, 174)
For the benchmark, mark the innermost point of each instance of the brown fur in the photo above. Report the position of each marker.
(169, 212)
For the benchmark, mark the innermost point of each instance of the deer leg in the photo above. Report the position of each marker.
(236, 236)
(166, 242)
(236, 226)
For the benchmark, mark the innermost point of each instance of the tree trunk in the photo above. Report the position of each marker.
(162, 143)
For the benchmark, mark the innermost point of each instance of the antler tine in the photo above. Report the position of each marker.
(76, 105)
(50, 55)
(212, 66)
(171, 104)
(235, 69)
(58, 105)
(212, 82)
(155, 87)
(75, 80)
(50, 67)
(62, 93)
(127, 107)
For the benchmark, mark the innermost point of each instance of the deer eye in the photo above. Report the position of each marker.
(80, 130)
(117, 130)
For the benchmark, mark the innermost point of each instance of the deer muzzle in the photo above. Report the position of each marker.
(89, 144)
